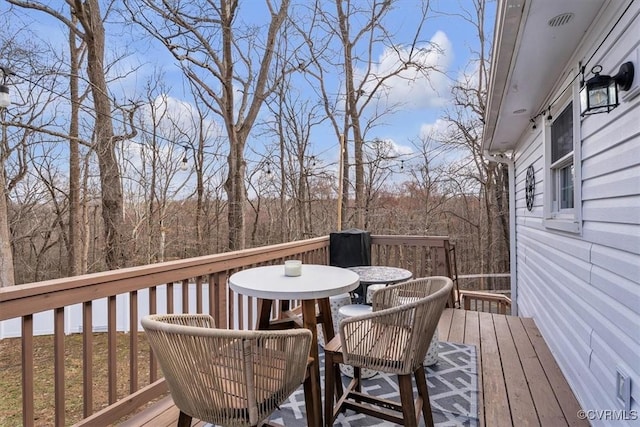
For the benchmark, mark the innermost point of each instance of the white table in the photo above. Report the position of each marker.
(315, 282)
(315, 285)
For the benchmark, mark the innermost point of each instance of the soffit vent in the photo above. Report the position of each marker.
(560, 19)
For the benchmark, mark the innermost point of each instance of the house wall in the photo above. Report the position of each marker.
(583, 289)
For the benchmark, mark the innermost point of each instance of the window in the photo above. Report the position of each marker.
(561, 140)
(562, 170)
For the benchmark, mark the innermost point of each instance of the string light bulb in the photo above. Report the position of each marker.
(5, 97)
(184, 165)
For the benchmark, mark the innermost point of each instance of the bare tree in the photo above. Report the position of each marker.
(230, 64)
(7, 277)
(91, 31)
(74, 247)
(293, 120)
(359, 28)
(379, 159)
(205, 154)
(18, 124)
(465, 132)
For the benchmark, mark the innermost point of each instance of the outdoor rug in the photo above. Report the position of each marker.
(453, 389)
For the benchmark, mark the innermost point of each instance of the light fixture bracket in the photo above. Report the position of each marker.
(624, 78)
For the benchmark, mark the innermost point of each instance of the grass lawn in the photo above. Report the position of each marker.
(11, 377)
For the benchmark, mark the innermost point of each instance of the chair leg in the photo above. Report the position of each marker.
(406, 400)
(184, 420)
(357, 375)
(308, 398)
(329, 388)
(423, 391)
(337, 375)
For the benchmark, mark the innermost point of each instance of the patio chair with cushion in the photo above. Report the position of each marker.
(226, 377)
(394, 338)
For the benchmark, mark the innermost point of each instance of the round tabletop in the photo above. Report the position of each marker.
(381, 274)
(316, 281)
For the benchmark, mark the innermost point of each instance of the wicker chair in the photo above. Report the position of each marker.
(394, 338)
(226, 377)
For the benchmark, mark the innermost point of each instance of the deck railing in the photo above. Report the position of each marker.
(422, 255)
(485, 292)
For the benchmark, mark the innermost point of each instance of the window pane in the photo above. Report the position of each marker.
(562, 134)
(566, 187)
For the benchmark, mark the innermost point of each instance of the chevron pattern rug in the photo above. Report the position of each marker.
(453, 389)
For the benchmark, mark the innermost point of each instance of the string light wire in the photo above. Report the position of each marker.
(149, 133)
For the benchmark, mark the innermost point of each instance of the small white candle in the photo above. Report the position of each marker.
(293, 267)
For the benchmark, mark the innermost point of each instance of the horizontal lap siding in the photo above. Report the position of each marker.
(620, 210)
(583, 290)
(611, 214)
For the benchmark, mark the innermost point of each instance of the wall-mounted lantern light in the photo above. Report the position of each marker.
(599, 94)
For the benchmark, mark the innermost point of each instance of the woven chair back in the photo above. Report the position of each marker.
(227, 377)
(395, 337)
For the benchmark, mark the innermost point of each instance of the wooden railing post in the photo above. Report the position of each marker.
(27, 370)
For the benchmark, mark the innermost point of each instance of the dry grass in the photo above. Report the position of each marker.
(11, 377)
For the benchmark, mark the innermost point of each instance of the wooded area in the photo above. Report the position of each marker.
(97, 175)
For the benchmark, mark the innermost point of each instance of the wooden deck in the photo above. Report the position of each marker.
(520, 383)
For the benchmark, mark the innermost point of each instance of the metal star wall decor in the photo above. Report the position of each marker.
(530, 187)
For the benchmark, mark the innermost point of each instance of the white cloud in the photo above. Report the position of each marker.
(183, 115)
(387, 148)
(397, 149)
(414, 88)
(435, 131)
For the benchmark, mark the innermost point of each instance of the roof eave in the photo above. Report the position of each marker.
(507, 27)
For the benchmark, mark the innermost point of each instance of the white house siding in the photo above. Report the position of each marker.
(584, 289)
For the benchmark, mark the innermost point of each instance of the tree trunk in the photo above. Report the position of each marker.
(234, 184)
(344, 207)
(198, 163)
(6, 255)
(352, 114)
(236, 193)
(89, 15)
(75, 215)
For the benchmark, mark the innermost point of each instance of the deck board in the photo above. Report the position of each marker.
(150, 414)
(496, 403)
(444, 325)
(472, 336)
(519, 381)
(456, 333)
(546, 404)
(554, 377)
(519, 395)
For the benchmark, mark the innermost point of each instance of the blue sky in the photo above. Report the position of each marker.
(424, 101)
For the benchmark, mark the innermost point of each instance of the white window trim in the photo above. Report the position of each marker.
(570, 222)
